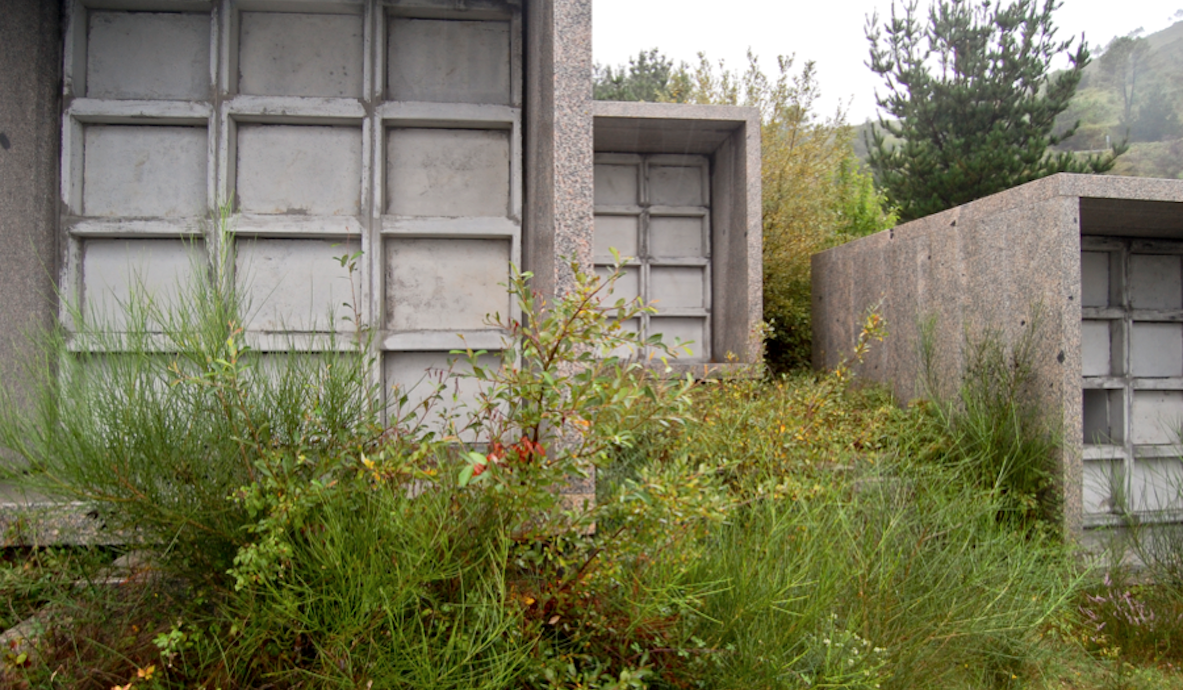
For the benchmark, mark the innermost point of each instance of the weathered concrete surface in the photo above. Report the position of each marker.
(295, 284)
(296, 54)
(30, 83)
(299, 169)
(448, 172)
(115, 272)
(449, 61)
(995, 263)
(557, 226)
(150, 170)
(148, 55)
(445, 284)
(730, 138)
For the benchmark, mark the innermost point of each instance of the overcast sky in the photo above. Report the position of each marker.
(829, 32)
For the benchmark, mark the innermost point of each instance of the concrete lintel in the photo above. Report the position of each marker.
(295, 109)
(471, 227)
(416, 341)
(100, 111)
(667, 127)
(259, 225)
(414, 114)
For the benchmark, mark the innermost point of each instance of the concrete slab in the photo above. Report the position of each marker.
(149, 55)
(299, 169)
(447, 172)
(148, 170)
(448, 61)
(296, 284)
(114, 272)
(300, 54)
(445, 284)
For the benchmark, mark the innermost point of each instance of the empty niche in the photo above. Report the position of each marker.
(448, 61)
(119, 273)
(615, 232)
(1156, 349)
(148, 55)
(678, 237)
(1155, 282)
(445, 284)
(684, 330)
(1103, 416)
(418, 375)
(617, 185)
(299, 169)
(677, 287)
(1104, 481)
(144, 170)
(1156, 484)
(295, 284)
(676, 185)
(296, 54)
(1094, 279)
(1157, 417)
(447, 172)
(1095, 348)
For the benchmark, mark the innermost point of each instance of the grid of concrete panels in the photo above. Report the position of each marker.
(655, 212)
(1132, 360)
(389, 127)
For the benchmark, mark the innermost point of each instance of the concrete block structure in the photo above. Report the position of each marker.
(441, 139)
(1095, 262)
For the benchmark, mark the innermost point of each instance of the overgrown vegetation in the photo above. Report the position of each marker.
(783, 533)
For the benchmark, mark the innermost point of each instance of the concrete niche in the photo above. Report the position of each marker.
(296, 54)
(295, 284)
(445, 284)
(1100, 259)
(299, 169)
(148, 55)
(115, 272)
(148, 170)
(448, 61)
(447, 172)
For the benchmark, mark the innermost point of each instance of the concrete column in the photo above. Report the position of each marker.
(558, 141)
(30, 88)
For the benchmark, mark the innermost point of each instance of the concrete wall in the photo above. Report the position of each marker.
(666, 138)
(992, 264)
(30, 78)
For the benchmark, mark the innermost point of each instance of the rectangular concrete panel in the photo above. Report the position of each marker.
(1094, 279)
(616, 232)
(1156, 349)
(617, 185)
(1103, 416)
(676, 185)
(148, 55)
(422, 376)
(1094, 345)
(1157, 484)
(677, 237)
(445, 284)
(448, 61)
(627, 287)
(116, 273)
(1155, 281)
(1157, 417)
(677, 287)
(299, 169)
(685, 330)
(150, 170)
(296, 285)
(447, 172)
(1102, 480)
(298, 54)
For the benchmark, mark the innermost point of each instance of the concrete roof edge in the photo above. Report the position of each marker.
(675, 111)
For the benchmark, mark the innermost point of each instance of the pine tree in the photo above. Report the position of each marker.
(973, 104)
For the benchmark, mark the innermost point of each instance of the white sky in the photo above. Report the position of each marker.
(829, 32)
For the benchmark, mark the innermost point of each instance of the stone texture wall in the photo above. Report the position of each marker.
(996, 263)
